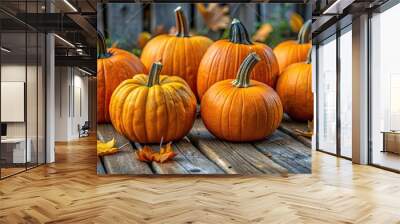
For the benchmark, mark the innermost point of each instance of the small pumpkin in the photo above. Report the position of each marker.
(180, 54)
(113, 66)
(153, 108)
(292, 51)
(223, 58)
(294, 89)
(241, 109)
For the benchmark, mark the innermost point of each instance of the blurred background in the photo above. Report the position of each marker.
(131, 25)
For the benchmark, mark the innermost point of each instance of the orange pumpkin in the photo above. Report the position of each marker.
(294, 89)
(223, 58)
(292, 51)
(113, 66)
(180, 54)
(241, 109)
(153, 108)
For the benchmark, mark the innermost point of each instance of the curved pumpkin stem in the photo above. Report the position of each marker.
(305, 33)
(154, 74)
(243, 76)
(238, 33)
(309, 56)
(101, 42)
(181, 23)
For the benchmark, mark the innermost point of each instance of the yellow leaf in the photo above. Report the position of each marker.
(106, 148)
(263, 32)
(107, 151)
(296, 22)
(108, 145)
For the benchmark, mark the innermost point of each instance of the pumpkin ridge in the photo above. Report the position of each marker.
(209, 70)
(182, 99)
(229, 106)
(132, 112)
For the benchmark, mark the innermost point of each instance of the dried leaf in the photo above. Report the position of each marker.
(214, 15)
(146, 154)
(308, 133)
(296, 22)
(106, 148)
(263, 32)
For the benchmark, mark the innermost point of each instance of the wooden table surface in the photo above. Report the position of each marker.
(200, 152)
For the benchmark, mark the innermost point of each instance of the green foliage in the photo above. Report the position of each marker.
(281, 31)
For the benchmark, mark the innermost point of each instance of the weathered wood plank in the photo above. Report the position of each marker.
(289, 126)
(287, 152)
(233, 158)
(189, 160)
(100, 167)
(123, 162)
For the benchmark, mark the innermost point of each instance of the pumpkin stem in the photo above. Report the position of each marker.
(243, 76)
(305, 33)
(101, 42)
(154, 74)
(309, 56)
(238, 33)
(181, 24)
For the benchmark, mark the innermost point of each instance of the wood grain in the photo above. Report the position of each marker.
(285, 151)
(233, 158)
(123, 162)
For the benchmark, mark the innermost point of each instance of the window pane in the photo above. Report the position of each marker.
(346, 94)
(327, 96)
(385, 84)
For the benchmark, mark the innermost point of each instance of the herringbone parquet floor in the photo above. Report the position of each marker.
(69, 191)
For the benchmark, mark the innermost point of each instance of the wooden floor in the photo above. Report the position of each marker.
(69, 191)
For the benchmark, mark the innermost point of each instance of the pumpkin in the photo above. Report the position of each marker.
(153, 108)
(294, 89)
(223, 58)
(180, 54)
(241, 109)
(113, 66)
(294, 51)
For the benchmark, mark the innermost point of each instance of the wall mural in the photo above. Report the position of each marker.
(204, 89)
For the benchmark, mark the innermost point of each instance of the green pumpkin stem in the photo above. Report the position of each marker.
(238, 33)
(304, 35)
(101, 42)
(181, 23)
(154, 74)
(309, 56)
(243, 76)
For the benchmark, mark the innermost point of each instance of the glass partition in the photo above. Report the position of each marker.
(326, 119)
(346, 93)
(385, 89)
(22, 88)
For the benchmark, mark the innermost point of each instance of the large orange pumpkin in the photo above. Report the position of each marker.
(113, 66)
(294, 89)
(151, 108)
(223, 58)
(180, 54)
(241, 109)
(293, 51)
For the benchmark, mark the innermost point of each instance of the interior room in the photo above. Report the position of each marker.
(45, 88)
(50, 171)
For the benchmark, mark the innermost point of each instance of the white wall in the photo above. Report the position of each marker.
(71, 103)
